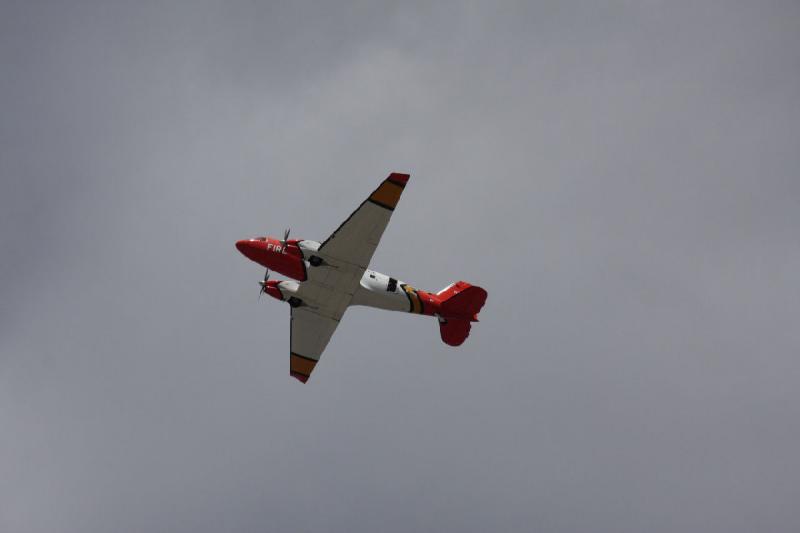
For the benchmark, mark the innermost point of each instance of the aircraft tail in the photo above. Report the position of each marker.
(461, 303)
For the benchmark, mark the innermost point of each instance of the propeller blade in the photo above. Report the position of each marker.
(263, 284)
(286, 235)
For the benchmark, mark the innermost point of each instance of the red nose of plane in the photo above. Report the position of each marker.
(249, 249)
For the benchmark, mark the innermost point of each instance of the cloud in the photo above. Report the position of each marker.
(620, 177)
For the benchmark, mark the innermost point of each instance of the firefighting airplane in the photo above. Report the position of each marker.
(332, 275)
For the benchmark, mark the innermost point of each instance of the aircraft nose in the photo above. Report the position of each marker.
(254, 250)
(245, 247)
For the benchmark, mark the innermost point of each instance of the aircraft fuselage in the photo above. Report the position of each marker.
(294, 258)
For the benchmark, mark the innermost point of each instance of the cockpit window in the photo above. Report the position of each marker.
(262, 239)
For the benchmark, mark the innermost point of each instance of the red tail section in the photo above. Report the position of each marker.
(454, 331)
(460, 305)
(461, 300)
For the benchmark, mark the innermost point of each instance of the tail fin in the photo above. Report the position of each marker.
(461, 303)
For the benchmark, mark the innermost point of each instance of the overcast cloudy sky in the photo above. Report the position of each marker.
(622, 177)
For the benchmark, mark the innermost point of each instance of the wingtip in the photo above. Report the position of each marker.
(399, 178)
(299, 377)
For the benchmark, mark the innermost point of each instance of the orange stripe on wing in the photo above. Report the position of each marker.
(301, 367)
(387, 195)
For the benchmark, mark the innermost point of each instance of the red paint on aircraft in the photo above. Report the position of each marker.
(462, 300)
(454, 331)
(300, 377)
(274, 255)
(459, 305)
(272, 289)
(399, 178)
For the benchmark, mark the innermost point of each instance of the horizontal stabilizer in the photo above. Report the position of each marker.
(454, 331)
(462, 300)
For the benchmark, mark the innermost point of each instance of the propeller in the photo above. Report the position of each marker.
(285, 236)
(263, 284)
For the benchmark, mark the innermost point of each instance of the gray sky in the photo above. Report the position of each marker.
(622, 177)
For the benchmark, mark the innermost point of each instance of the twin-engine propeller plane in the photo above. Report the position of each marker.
(332, 275)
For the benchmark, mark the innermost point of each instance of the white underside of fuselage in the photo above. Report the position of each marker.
(381, 291)
(374, 290)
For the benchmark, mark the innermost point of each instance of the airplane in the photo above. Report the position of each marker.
(330, 276)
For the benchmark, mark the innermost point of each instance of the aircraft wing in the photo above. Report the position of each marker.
(331, 286)
(310, 333)
(354, 242)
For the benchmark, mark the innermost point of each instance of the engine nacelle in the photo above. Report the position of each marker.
(285, 291)
(272, 289)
